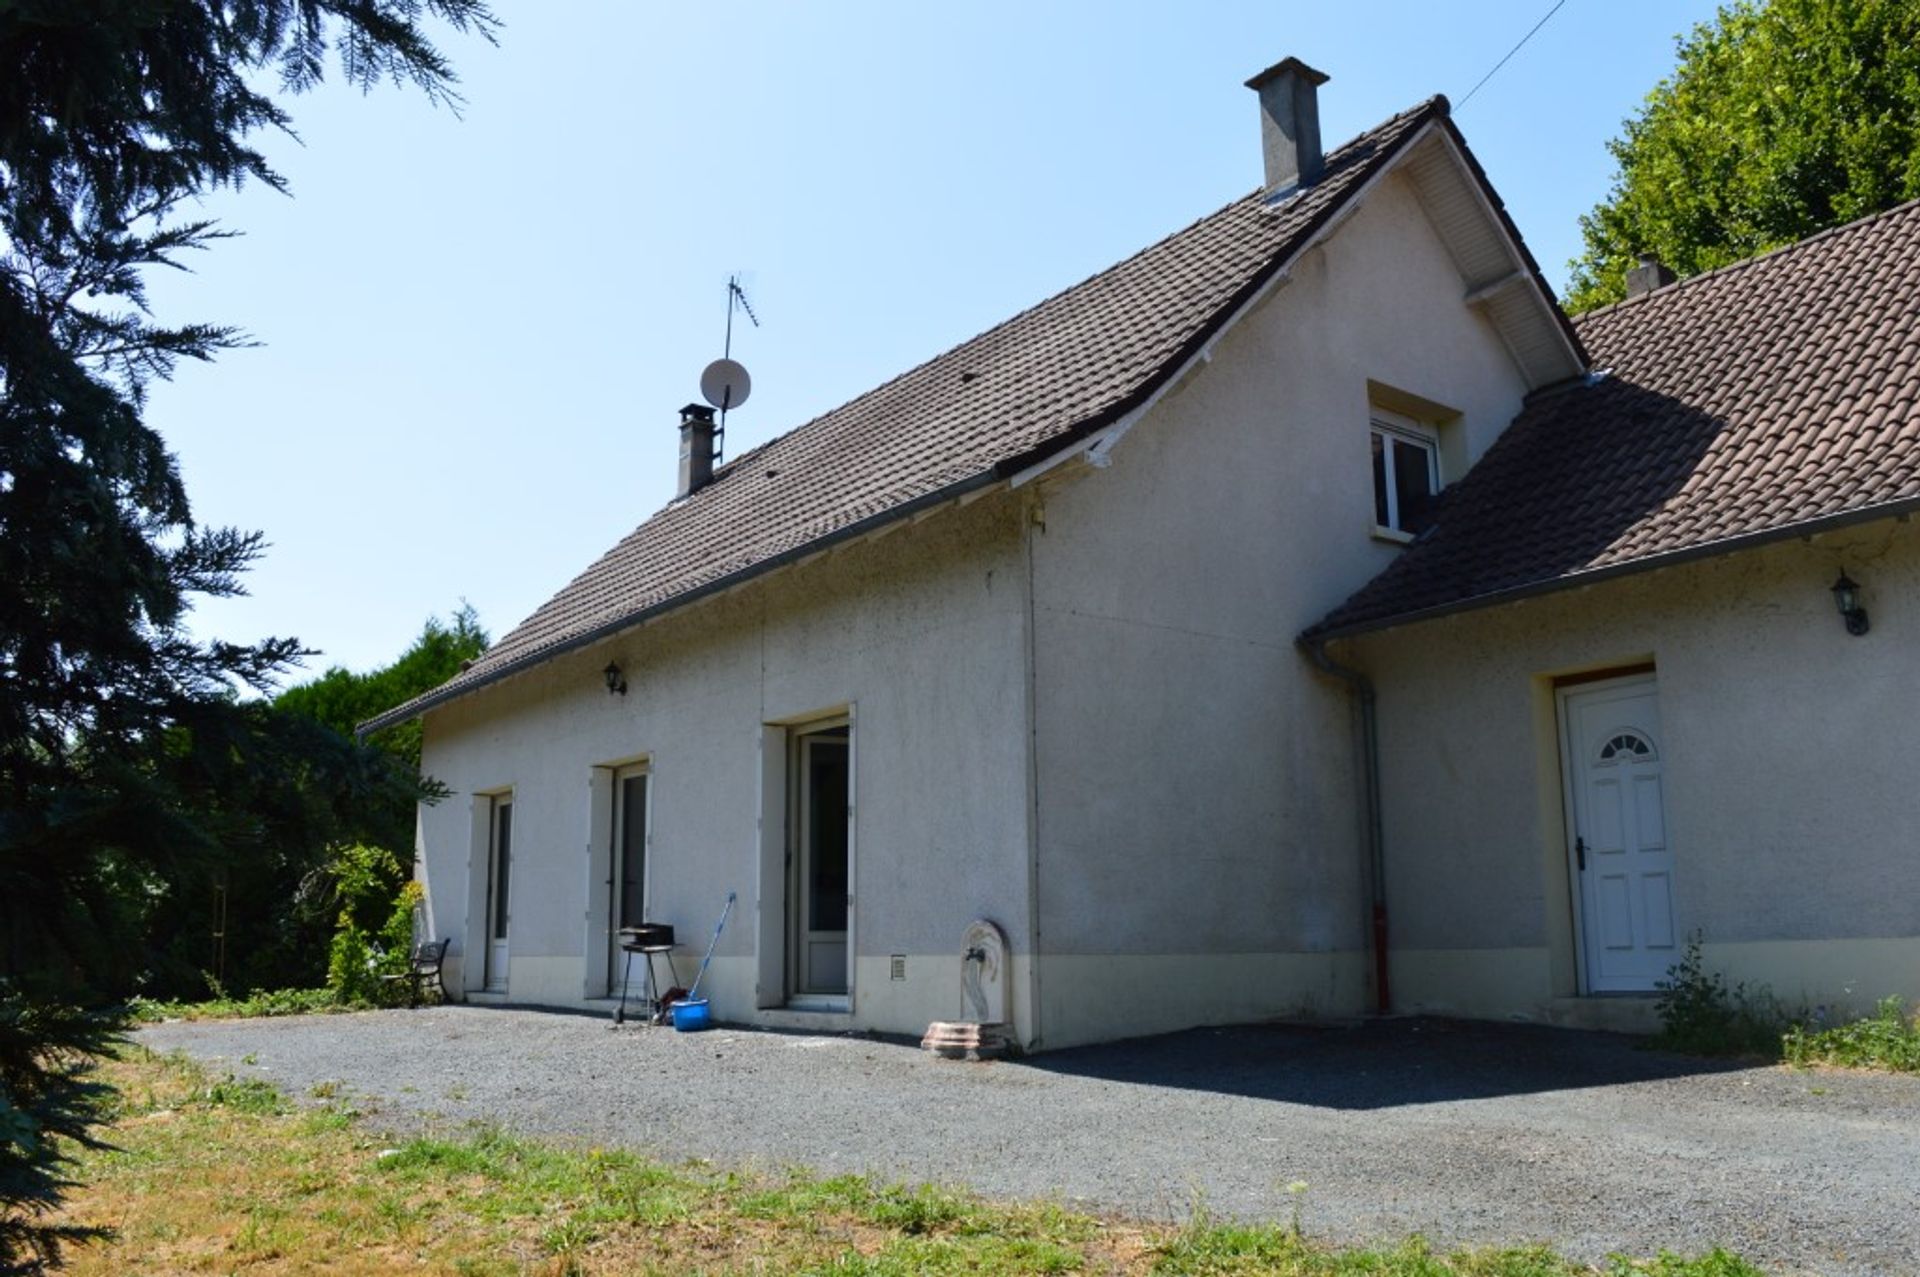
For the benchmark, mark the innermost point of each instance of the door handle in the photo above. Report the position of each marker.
(1580, 852)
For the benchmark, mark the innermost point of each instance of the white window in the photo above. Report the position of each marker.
(1406, 475)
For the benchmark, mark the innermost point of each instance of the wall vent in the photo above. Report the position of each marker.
(897, 966)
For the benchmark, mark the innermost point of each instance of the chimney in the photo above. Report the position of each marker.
(696, 448)
(1290, 124)
(1647, 276)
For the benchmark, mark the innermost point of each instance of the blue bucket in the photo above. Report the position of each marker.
(692, 1016)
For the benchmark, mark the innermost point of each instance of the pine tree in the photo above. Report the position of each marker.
(129, 758)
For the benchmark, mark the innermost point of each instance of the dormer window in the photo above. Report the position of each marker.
(1406, 475)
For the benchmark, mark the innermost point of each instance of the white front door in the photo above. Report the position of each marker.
(499, 879)
(628, 901)
(820, 876)
(1622, 862)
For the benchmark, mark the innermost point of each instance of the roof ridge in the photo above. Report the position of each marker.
(1175, 292)
(1780, 250)
(1332, 156)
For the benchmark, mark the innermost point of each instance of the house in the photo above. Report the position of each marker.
(1300, 617)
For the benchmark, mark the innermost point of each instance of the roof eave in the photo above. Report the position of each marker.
(1594, 576)
(719, 585)
(1150, 387)
(1576, 348)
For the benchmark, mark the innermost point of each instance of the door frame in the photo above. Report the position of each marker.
(492, 981)
(616, 812)
(1569, 800)
(793, 937)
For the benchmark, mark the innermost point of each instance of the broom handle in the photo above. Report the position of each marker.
(702, 973)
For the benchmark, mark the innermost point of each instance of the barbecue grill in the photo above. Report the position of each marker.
(652, 940)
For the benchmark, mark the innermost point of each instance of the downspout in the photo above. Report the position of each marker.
(1316, 650)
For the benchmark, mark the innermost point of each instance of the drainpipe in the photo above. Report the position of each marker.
(1362, 686)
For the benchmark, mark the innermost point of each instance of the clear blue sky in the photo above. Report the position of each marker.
(478, 331)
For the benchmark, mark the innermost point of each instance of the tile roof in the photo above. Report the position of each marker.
(982, 411)
(1740, 405)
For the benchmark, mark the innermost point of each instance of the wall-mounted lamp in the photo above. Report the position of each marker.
(1846, 597)
(616, 681)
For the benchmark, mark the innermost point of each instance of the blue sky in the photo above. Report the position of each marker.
(477, 331)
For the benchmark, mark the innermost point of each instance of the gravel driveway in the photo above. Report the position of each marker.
(1469, 1133)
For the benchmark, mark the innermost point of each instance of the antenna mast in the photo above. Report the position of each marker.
(725, 383)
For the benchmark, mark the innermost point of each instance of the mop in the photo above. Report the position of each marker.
(692, 1012)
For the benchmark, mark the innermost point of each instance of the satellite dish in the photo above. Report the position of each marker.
(725, 384)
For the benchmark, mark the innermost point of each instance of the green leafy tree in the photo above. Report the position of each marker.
(128, 760)
(343, 700)
(1781, 119)
(364, 883)
(314, 838)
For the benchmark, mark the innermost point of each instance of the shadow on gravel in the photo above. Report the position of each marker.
(1378, 1064)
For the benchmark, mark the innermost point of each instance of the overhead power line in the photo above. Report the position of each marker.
(1510, 52)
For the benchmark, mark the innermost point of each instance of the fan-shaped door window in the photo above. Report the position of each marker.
(1627, 746)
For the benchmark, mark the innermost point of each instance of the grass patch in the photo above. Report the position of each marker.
(1208, 1247)
(253, 1006)
(1888, 1039)
(212, 1173)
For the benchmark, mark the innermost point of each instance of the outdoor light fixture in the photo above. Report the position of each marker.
(616, 681)
(1846, 597)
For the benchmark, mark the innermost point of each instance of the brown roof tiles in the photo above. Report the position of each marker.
(1738, 405)
(980, 412)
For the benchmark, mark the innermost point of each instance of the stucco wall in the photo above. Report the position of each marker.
(1188, 825)
(921, 630)
(1789, 775)
(1196, 778)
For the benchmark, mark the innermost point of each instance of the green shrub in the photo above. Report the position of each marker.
(360, 957)
(1887, 1039)
(1701, 1015)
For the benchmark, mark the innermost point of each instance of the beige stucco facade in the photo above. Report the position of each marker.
(1199, 830)
(919, 636)
(1076, 706)
(1788, 777)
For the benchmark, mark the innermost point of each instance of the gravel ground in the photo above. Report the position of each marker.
(1470, 1133)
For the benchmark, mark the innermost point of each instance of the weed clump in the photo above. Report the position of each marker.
(269, 1002)
(1700, 1014)
(1887, 1039)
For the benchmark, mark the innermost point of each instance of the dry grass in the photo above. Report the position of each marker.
(218, 1175)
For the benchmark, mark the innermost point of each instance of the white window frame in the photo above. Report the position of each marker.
(1389, 427)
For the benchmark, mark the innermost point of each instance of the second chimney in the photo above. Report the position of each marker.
(1290, 124)
(1647, 276)
(696, 448)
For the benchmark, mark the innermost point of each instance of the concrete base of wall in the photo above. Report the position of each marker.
(1100, 997)
(906, 1007)
(1846, 976)
(1486, 984)
(545, 982)
(1506, 984)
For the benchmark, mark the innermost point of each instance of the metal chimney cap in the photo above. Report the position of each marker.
(695, 412)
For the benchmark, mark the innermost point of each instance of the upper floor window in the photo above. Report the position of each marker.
(1406, 475)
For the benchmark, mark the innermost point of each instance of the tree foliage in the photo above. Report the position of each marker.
(1781, 119)
(343, 700)
(132, 769)
(49, 1100)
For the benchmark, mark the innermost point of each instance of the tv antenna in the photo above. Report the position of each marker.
(725, 383)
